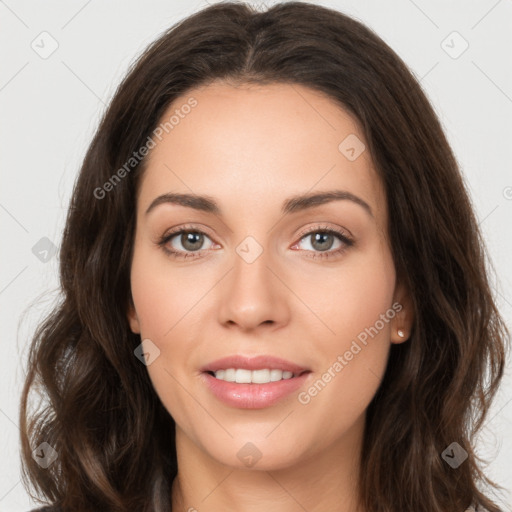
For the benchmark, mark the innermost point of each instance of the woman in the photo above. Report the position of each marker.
(275, 293)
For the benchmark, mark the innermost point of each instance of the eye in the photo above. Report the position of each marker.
(183, 243)
(188, 242)
(322, 239)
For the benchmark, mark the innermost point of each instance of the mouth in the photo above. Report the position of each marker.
(240, 364)
(261, 376)
(253, 382)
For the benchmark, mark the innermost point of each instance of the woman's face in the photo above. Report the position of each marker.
(311, 282)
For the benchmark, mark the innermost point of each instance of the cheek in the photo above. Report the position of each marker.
(163, 294)
(171, 304)
(351, 297)
(356, 306)
(164, 300)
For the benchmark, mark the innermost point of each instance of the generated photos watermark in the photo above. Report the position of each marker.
(138, 156)
(304, 397)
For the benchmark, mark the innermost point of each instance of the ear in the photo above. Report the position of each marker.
(401, 324)
(133, 319)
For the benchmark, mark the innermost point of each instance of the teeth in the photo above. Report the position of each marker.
(242, 376)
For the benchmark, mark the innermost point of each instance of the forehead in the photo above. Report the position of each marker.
(257, 144)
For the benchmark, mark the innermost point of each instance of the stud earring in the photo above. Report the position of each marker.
(401, 333)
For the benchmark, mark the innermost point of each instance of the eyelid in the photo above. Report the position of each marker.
(325, 227)
(171, 233)
(180, 228)
(306, 231)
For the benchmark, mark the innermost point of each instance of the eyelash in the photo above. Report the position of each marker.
(343, 237)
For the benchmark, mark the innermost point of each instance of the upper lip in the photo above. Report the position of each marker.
(253, 363)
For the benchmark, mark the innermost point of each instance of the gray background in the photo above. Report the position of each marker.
(50, 108)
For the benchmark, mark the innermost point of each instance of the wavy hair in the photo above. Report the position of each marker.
(113, 437)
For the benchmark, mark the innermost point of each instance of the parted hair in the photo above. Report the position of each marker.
(99, 411)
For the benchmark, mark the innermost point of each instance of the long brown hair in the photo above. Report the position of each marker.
(113, 438)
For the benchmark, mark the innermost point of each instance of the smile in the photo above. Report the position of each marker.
(243, 376)
(250, 394)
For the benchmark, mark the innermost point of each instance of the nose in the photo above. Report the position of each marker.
(253, 294)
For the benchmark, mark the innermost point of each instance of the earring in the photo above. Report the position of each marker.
(400, 333)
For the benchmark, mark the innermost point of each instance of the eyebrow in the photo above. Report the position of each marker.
(291, 205)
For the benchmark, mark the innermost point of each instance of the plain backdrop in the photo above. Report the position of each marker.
(51, 105)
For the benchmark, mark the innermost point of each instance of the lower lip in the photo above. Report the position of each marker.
(253, 396)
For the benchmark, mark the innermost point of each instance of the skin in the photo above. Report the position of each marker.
(250, 148)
